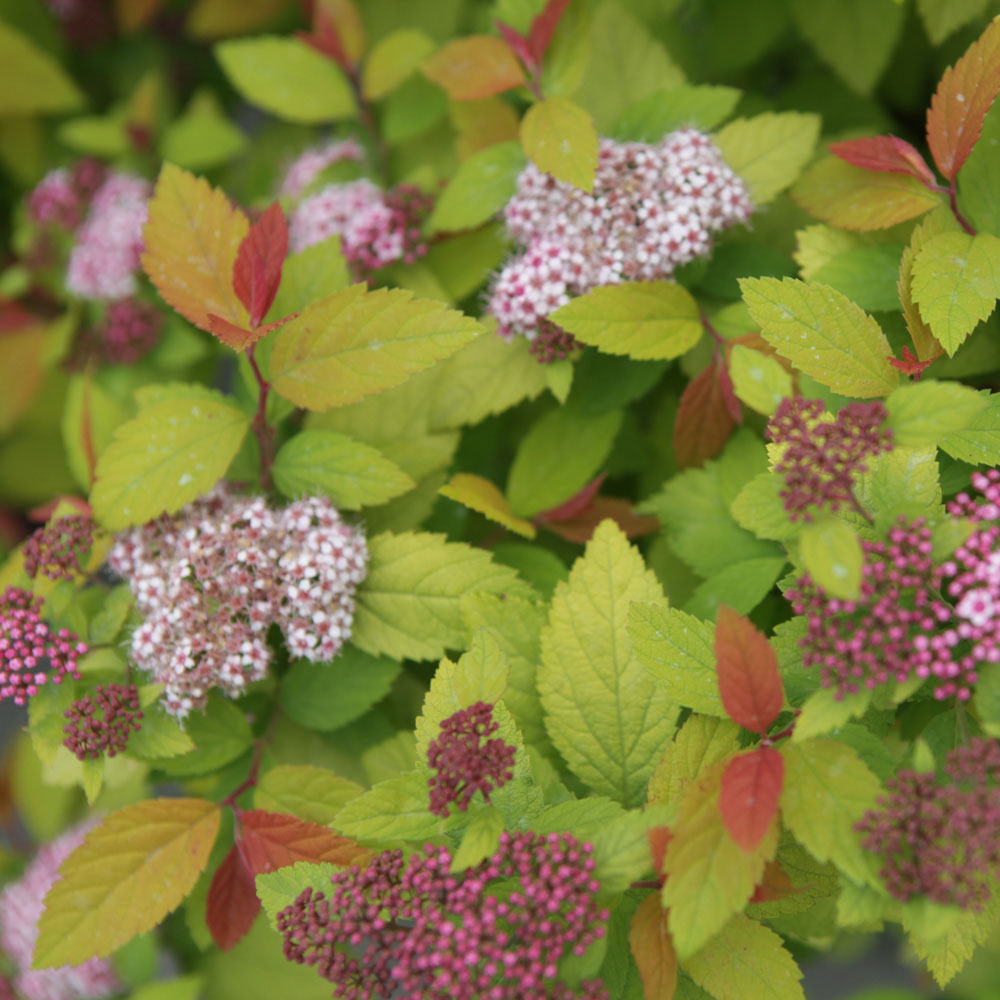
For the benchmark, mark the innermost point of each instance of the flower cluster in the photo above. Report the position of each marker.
(653, 208)
(21, 906)
(31, 654)
(423, 933)
(60, 198)
(130, 330)
(821, 457)
(310, 164)
(56, 549)
(103, 721)
(211, 579)
(466, 761)
(941, 839)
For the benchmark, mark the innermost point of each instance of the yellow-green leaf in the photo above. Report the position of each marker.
(311, 793)
(480, 840)
(480, 187)
(560, 138)
(759, 380)
(481, 495)
(392, 60)
(832, 554)
(922, 413)
(30, 79)
(828, 709)
(701, 742)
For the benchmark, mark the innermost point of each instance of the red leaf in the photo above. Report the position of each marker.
(236, 337)
(653, 949)
(232, 903)
(581, 527)
(13, 316)
(748, 801)
(272, 840)
(576, 504)
(886, 153)
(910, 364)
(659, 840)
(519, 44)
(325, 38)
(961, 102)
(543, 27)
(747, 666)
(704, 420)
(773, 884)
(257, 271)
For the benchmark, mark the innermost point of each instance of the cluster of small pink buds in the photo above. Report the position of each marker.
(56, 549)
(31, 654)
(61, 196)
(211, 579)
(21, 906)
(653, 208)
(131, 329)
(466, 761)
(423, 933)
(941, 839)
(103, 721)
(310, 164)
(822, 457)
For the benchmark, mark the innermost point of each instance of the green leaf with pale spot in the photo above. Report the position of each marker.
(311, 793)
(701, 742)
(607, 716)
(479, 188)
(647, 320)
(397, 809)
(825, 711)
(559, 137)
(956, 282)
(392, 60)
(172, 452)
(308, 276)
(282, 887)
(31, 80)
(651, 118)
(823, 334)
(480, 839)
(831, 552)
(979, 442)
(759, 380)
(922, 413)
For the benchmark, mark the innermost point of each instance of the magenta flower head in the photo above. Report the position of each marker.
(57, 549)
(466, 761)
(103, 721)
(131, 329)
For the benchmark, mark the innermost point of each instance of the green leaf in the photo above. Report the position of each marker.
(867, 275)
(480, 840)
(769, 151)
(760, 509)
(746, 961)
(832, 554)
(759, 380)
(350, 473)
(308, 276)
(560, 138)
(392, 60)
(904, 480)
(741, 586)
(31, 80)
(288, 78)
(172, 452)
(89, 420)
(647, 320)
(947, 954)
(311, 793)
(409, 604)
(160, 736)
(605, 714)
(203, 137)
(825, 710)
(397, 809)
(107, 623)
(922, 413)
(480, 188)
(326, 696)
(823, 334)
(860, 906)
(956, 282)
(650, 119)
(827, 790)
(941, 19)
(701, 742)
(96, 135)
(221, 734)
(978, 183)
(561, 453)
(357, 342)
(282, 887)
(987, 700)
(979, 443)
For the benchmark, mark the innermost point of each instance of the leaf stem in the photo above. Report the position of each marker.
(262, 430)
(952, 193)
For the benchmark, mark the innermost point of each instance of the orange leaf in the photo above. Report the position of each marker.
(886, 153)
(232, 904)
(960, 103)
(704, 420)
(659, 841)
(238, 337)
(748, 801)
(272, 840)
(583, 525)
(192, 238)
(653, 949)
(774, 884)
(257, 272)
(474, 67)
(747, 666)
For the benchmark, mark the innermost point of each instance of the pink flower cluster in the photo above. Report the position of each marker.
(130, 330)
(310, 164)
(211, 579)
(31, 654)
(941, 839)
(653, 208)
(423, 933)
(21, 906)
(466, 761)
(60, 198)
(103, 721)
(55, 550)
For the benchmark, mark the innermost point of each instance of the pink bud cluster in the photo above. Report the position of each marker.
(653, 208)
(21, 906)
(31, 654)
(103, 721)
(60, 198)
(130, 330)
(55, 550)
(415, 931)
(466, 761)
(822, 457)
(310, 164)
(211, 579)
(941, 839)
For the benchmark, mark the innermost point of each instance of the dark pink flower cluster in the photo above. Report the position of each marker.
(822, 457)
(941, 839)
(415, 931)
(103, 721)
(56, 549)
(60, 198)
(130, 330)
(213, 578)
(31, 654)
(466, 760)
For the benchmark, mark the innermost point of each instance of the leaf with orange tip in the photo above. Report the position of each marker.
(774, 884)
(344, 19)
(962, 100)
(257, 272)
(477, 66)
(576, 504)
(747, 666)
(232, 903)
(704, 419)
(748, 801)
(518, 44)
(582, 526)
(481, 495)
(272, 840)
(659, 840)
(192, 238)
(653, 950)
(886, 153)
(237, 337)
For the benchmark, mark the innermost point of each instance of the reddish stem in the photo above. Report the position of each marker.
(952, 193)
(262, 430)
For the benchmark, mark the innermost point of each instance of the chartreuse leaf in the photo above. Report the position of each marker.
(946, 954)
(606, 715)
(408, 606)
(392, 59)
(160, 736)
(823, 334)
(867, 275)
(987, 700)
(742, 586)
(203, 137)
(701, 742)
(397, 809)
(827, 790)
(281, 888)
(481, 186)
(221, 734)
(311, 793)
(746, 961)
(357, 342)
(647, 320)
(759, 380)
(922, 413)
(978, 184)
(826, 710)
(560, 138)
(352, 474)
(30, 79)
(480, 839)
(287, 77)
(126, 876)
(759, 508)
(831, 552)
(172, 452)
(979, 442)
(308, 276)
(956, 282)
(481, 495)
(941, 19)
(559, 455)
(650, 119)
